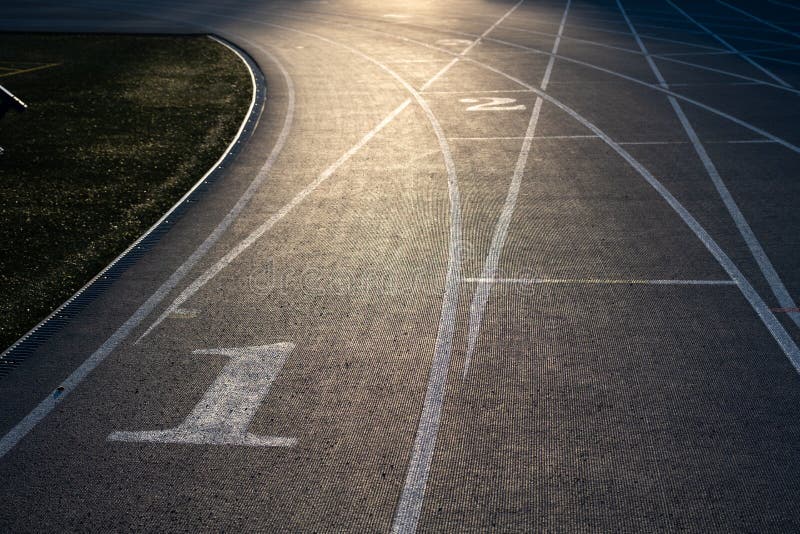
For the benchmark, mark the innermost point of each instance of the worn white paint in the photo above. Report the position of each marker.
(223, 415)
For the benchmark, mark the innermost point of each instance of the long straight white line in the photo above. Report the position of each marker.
(753, 244)
(256, 234)
(728, 45)
(477, 308)
(601, 281)
(774, 327)
(759, 19)
(21, 429)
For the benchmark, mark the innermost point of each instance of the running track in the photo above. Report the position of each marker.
(483, 265)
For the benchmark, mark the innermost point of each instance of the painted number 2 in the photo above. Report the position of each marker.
(492, 103)
(225, 411)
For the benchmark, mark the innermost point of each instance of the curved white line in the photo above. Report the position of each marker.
(21, 429)
(726, 44)
(409, 506)
(776, 329)
(673, 59)
(655, 87)
(756, 250)
(784, 340)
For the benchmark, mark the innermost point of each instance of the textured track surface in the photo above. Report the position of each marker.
(483, 265)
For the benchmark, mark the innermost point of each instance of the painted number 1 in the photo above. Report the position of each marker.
(492, 103)
(225, 411)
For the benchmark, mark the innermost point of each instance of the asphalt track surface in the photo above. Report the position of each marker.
(482, 266)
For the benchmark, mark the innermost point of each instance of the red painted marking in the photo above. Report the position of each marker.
(786, 310)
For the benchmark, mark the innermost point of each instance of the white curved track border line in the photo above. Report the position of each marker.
(246, 129)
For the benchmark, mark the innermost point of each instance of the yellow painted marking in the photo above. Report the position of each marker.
(183, 313)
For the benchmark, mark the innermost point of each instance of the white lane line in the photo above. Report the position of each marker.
(729, 46)
(78, 375)
(411, 499)
(775, 328)
(607, 71)
(656, 38)
(215, 269)
(759, 19)
(477, 307)
(671, 59)
(254, 236)
(655, 87)
(469, 47)
(223, 414)
(409, 506)
(600, 281)
(753, 244)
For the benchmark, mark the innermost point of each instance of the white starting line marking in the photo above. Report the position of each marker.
(600, 281)
(224, 413)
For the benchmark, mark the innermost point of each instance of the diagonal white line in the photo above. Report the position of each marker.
(469, 47)
(215, 269)
(21, 429)
(759, 254)
(481, 296)
(671, 58)
(256, 234)
(775, 328)
(729, 46)
(759, 19)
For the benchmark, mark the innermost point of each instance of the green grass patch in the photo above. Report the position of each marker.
(117, 129)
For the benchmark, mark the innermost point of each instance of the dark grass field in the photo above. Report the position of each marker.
(115, 133)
